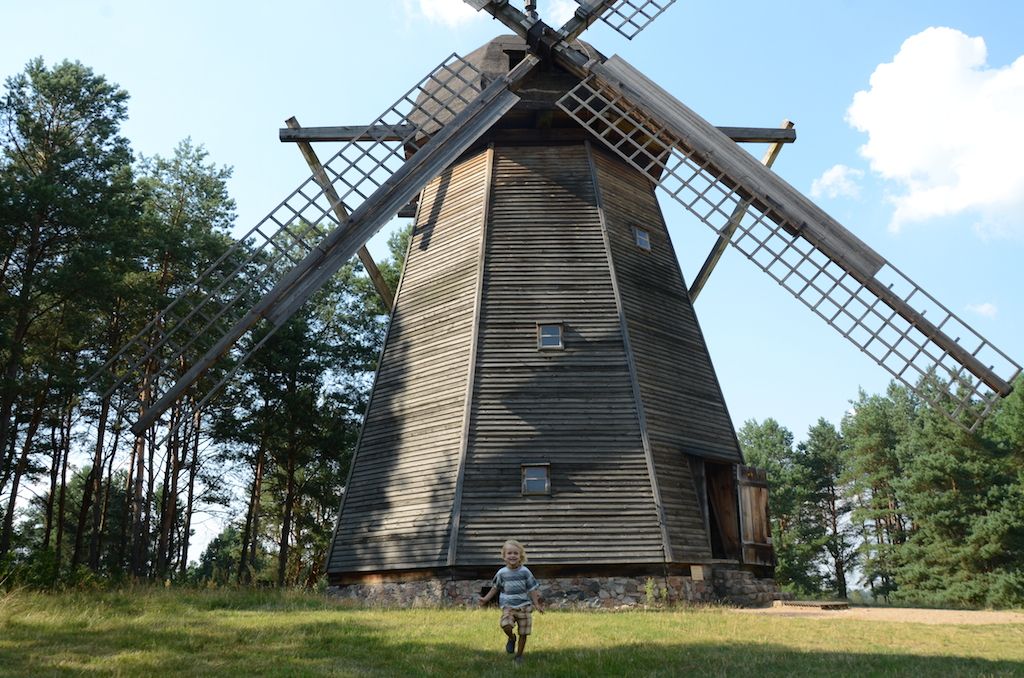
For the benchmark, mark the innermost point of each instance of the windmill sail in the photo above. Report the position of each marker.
(629, 17)
(844, 281)
(301, 243)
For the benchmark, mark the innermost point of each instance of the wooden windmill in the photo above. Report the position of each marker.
(544, 374)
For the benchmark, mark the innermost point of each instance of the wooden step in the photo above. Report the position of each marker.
(818, 604)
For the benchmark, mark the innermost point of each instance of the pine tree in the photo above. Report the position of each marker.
(66, 201)
(823, 458)
(796, 534)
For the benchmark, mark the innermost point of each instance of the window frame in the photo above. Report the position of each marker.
(541, 346)
(642, 238)
(524, 467)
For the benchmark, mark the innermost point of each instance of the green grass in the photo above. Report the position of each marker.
(157, 632)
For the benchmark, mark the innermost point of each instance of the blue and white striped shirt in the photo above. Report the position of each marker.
(515, 586)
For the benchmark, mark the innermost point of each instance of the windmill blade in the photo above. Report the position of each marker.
(629, 17)
(839, 277)
(302, 241)
(299, 284)
(587, 13)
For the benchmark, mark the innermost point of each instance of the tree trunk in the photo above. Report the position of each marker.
(147, 523)
(21, 467)
(138, 535)
(286, 522)
(838, 558)
(249, 534)
(64, 453)
(124, 554)
(169, 500)
(100, 513)
(51, 496)
(10, 386)
(8, 453)
(92, 484)
(193, 471)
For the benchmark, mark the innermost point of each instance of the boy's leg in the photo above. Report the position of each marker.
(507, 622)
(525, 622)
(522, 645)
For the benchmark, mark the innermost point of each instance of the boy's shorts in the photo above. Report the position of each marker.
(521, 616)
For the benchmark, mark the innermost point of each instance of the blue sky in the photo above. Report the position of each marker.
(925, 167)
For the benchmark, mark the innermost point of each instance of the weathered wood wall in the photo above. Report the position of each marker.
(513, 237)
(683, 400)
(683, 405)
(399, 497)
(545, 261)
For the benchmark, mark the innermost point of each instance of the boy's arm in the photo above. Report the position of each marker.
(490, 594)
(535, 597)
(495, 586)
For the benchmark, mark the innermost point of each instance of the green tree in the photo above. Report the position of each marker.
(963, 493)
(822, 460)
(292, 418)
(873, 432)
(796, 534)
(188, 215)
(66, 200)
(219, 559)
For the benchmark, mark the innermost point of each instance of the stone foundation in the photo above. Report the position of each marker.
(730, 586)
(742, 588)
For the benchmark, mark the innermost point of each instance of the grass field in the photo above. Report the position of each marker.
(173, 632)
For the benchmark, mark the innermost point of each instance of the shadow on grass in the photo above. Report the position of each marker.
(246, 642)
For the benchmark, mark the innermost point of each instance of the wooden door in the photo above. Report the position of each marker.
(755, 528)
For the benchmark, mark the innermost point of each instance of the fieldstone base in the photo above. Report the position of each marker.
(742, 588)
(733, 586)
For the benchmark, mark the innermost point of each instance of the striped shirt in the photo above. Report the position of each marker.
(515, 586)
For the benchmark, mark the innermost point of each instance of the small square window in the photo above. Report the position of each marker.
(536, 479)
(642, 238)
(549, 336)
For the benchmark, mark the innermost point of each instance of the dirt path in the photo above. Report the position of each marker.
(905, 614)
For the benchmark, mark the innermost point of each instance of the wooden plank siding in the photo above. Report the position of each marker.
(400, 494)
(684, 409)
(509, 238)
(545, 262)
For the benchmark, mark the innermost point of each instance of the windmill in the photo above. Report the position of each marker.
(544, 374)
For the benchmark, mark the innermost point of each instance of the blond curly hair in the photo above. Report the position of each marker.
(516, 545)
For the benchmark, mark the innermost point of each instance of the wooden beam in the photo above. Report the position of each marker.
(587, 13)
(323, 261)
(767, 188)
(442, 148)
(320, 176)
(737, 216)
(760, 135)
(741, 135)
(783, 203)
(347, 133)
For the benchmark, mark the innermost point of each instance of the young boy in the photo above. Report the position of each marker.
(518, 589)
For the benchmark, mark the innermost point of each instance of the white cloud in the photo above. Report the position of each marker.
(942, 124)
(837, 181)
(987, 309)
(451, 13)
(557, 12)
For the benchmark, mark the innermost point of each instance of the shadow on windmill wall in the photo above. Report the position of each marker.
(422, 234)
